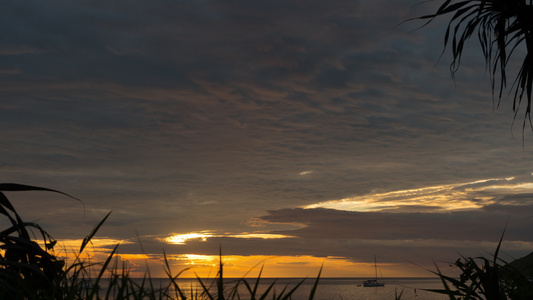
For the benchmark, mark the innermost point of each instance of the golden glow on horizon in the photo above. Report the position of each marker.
(273, 266)
(235, 266)
(96, 251)
(437, 198)
(69, 248)
(76, 243)
(202, 259)
(206, 266)
(133, 256)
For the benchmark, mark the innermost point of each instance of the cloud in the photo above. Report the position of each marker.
(193, 116)
(444, 197)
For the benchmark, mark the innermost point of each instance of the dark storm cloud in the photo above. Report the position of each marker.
(484, 225)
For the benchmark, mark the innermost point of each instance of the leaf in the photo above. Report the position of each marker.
(15, 187)
(499, 25)
(88, 238)
(313, 290)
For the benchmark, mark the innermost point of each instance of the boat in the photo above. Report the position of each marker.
(374, 282)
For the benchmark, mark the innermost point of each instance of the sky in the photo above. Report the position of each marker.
(284, 132)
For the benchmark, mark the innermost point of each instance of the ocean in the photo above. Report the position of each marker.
(330, 288)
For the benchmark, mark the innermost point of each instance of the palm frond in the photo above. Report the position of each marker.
(501, 26)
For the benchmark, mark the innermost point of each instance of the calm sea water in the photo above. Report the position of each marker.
(334, 288)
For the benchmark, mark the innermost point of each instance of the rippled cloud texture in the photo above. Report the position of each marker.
(273, 128)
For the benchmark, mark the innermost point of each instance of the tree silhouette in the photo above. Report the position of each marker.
(502, 26)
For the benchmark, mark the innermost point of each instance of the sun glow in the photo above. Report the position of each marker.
(181, 239)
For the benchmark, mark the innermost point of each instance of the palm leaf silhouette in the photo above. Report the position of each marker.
(501, 26)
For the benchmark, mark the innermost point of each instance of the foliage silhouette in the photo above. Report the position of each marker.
(485, 279)
(502, 26)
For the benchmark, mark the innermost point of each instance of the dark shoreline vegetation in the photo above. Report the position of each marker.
(31, 271)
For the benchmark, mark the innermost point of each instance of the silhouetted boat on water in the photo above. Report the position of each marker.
(374, 282)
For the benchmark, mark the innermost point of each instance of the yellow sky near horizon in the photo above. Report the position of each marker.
(235, 266)
(239, 266)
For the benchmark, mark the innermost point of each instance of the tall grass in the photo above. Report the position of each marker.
(31, 270)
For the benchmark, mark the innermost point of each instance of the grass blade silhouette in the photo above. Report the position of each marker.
(88, 238)
(313, 290)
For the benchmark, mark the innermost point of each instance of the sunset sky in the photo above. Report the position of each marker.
(285, 132)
